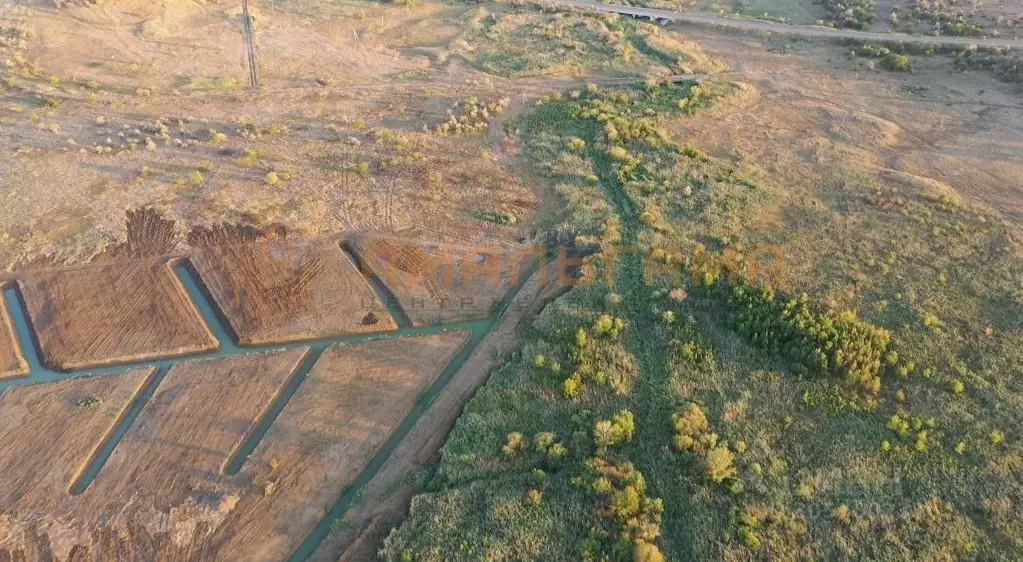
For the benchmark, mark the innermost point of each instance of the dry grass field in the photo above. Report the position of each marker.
(112, 313)
(12, 361)
(437, 283)
(157, 112)
(47, 434)
(276, 292)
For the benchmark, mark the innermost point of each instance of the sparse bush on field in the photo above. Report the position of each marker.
(250, 159)
(896, 63)
(719, 464)
(843, 514)
(514, 443)
(498, 217)
(947, 18)
(619, 429)
(471, 116)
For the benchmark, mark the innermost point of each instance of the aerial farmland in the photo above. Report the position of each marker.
(516, 280)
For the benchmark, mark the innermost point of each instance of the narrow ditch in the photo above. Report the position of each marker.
(353, 491)
(382, 291)
(117, 430)
(266, 419)
(218, 325)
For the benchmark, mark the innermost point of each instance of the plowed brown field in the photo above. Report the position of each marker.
(437, 283)
(277, 292)
(47, 434)
(112, 313)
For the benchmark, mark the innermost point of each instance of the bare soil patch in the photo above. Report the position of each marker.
(275, 291)
(354, 398)
(437, 283)
(12, 361)
(112, 313)
(166, 473)
(47, 434)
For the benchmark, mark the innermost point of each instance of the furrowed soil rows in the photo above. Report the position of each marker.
(12, 362)
(273, 292)
(437, 283)
(47, 434)
(353, 399)
(112, 313)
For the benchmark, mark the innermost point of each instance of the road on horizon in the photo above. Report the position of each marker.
(790, 29)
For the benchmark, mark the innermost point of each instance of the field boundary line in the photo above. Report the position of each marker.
(96, 460)
(248, 444)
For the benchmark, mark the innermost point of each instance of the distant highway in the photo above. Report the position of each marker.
(788, 29)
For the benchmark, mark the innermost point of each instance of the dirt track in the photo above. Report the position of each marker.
(789, 29)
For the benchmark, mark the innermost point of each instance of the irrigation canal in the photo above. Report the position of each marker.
(215, 320)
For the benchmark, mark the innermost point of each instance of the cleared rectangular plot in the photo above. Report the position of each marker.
(438, 283)
(12, 362)
(49, 431)
(352, 401)
(112, 313)
(274, 292)
(174, 452)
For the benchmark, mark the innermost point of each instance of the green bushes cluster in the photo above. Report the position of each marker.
(896, 63)
(498, 217)
(691, 427)
(688, 345)
(693, 435)
(854, 14)
(619, 429)
(597, 356)
(947, 21)
(835, 343)
(1005, 64)
(546, 443)
(621, 493)
(471, 116)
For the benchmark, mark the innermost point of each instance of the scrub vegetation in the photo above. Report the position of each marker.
(696, 397)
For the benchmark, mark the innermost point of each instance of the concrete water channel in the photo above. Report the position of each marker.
(216, 321)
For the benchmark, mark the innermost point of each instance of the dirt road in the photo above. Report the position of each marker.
(773, 27)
